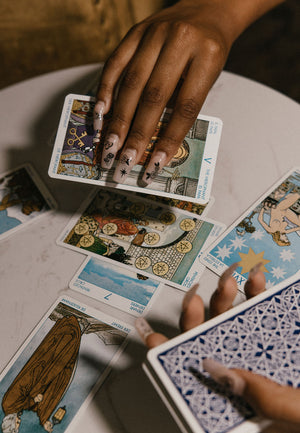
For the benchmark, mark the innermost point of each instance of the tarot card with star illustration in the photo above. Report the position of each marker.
(56, 372)
(147, 237)
(267, 233)
(188, 177)
(261, 335)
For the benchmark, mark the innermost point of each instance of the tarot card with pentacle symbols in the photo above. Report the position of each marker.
(187, 177)
(267, 233)
(260, 335)
(147, 237)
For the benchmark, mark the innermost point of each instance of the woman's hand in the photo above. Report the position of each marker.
(182, 48)
(268, 399)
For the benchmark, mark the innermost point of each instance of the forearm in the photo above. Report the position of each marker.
(236, 15)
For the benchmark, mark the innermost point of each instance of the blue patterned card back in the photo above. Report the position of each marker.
(263, 337)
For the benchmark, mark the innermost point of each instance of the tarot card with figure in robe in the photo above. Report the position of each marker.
(267, 233)
(189, 175)
(260, 335)
(58, 369)
(144, 236)
(23, 199)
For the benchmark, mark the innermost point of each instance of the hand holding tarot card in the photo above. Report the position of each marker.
(77, 155)
(261, 335)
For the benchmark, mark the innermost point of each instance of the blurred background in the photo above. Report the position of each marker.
(38, 37)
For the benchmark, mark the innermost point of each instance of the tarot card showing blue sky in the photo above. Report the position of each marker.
(119, 281)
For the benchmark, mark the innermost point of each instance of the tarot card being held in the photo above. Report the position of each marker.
(141, 235)
(189, 175)
(120, 288)
(261, 335)
(267, 233)
(23, 199)
(59, 367)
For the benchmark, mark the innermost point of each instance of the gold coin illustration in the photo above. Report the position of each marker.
(184, 247)
(110, 228)
(87, 241)
(160, 268)
(151, 238)
(143, 262)
(167, 218)
(187, 224)
(81, 228)
(137, 208)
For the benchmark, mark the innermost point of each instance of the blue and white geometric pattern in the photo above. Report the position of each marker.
(264, 338)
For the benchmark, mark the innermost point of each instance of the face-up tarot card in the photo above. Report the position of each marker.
(189, 175)
(261, 335)
(23, 199)
(143, 236)
(118, 287)
(59, 367)
(267, 233)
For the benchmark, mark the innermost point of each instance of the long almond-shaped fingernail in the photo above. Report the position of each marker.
(98, 115)
(124, 166)
(188, 296)
(224, 376)
(109, 151)
(143, 328)
(226, 274)
(253, 271)
(156, 164)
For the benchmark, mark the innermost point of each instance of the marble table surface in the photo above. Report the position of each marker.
(260, 142)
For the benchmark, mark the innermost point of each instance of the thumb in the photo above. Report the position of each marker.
(267, 398)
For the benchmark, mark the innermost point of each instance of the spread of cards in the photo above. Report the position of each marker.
(134, 240)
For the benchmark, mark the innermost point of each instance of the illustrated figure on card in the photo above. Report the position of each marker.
(45, 378)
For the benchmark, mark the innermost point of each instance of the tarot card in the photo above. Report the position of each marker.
(144, 236)
(59, 367)
(118, 287)
(189, 175)
(261, 335)
(267, 233)
(23, 199)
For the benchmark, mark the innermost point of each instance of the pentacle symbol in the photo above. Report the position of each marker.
(110, 228)
(151, 238)
(137, 208)
(167, 218)
(143, 262)
(184, 246)
(187, 224)
(86, 241)
(92, 224)
(81, 228)
(160, 268)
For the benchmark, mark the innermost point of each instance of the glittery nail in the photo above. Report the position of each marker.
(98, 115)
(125, 164)
(109, 151)
(143, 328)
(224, 376)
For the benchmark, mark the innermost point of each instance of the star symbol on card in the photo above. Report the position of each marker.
(250, 259)
(224, 252)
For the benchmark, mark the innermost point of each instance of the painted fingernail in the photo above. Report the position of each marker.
(156, 163)
(143, 328)
(224, 376)
(254, 270)
(125, 164)
(110, 149)
(226, 274)
(188, 296)
(98, 115)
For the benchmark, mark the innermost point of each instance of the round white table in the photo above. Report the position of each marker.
(260, 142)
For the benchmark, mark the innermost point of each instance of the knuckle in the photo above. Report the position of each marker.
(119, 122)
(152, 95)
(131, 79)
(213, 47)
(138, 135)
(112, 62)
(188, 108)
